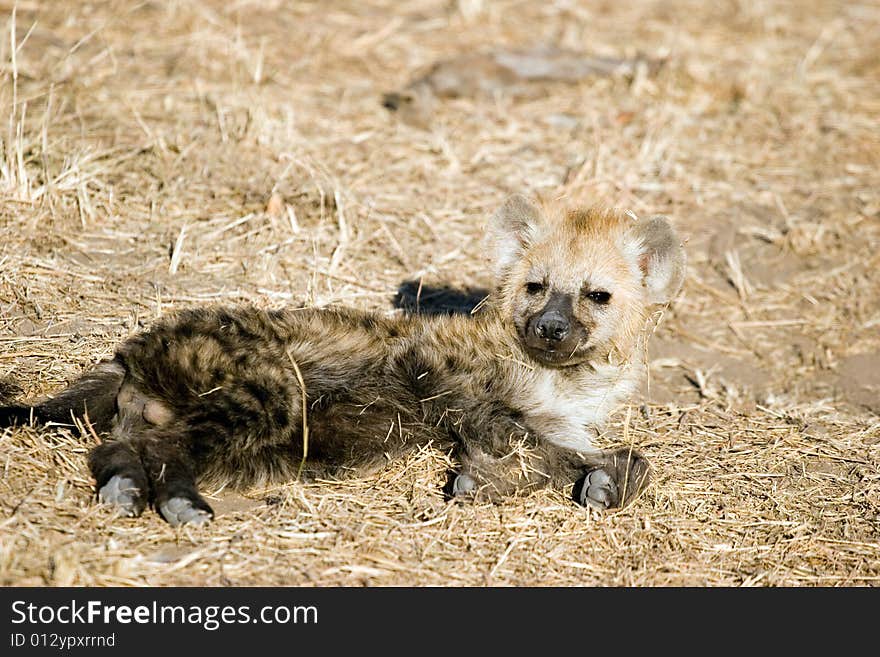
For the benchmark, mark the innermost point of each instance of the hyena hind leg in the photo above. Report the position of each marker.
(175, 494)
(615, 482)
(132, 473)
(120, 478)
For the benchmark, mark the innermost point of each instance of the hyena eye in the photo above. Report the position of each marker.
(599, 296)
(534, 288)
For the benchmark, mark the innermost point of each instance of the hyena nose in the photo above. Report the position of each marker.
(552, 326)
(391, 101)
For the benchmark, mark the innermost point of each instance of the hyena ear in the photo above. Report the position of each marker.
(511, 230)
(661, 258)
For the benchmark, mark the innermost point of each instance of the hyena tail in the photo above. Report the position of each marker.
(92, 397)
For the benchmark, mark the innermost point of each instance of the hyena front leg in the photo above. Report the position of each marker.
(505, 459)
(483, 476)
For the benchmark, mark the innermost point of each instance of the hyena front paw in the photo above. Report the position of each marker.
(124, 493)
(459, 486)
(463, 484)
(183, 510)
(598, 491)
(616, 483)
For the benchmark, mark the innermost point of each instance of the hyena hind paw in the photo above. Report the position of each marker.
(123, 493)
(184, 511)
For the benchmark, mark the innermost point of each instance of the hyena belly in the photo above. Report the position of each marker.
(215, 396)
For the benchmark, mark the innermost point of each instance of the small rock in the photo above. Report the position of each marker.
(275, 206)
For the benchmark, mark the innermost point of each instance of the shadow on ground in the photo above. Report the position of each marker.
(416, 298)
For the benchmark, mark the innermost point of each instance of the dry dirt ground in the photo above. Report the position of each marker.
(142, 146)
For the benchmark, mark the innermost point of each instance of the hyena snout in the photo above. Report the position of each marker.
(554, 335)
(391, 101)
(552, 325)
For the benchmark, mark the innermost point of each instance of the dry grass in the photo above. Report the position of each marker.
(161, 154)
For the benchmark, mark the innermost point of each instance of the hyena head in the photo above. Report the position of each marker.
(579, 283)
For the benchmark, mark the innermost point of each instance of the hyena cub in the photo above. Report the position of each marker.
(517, 392)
